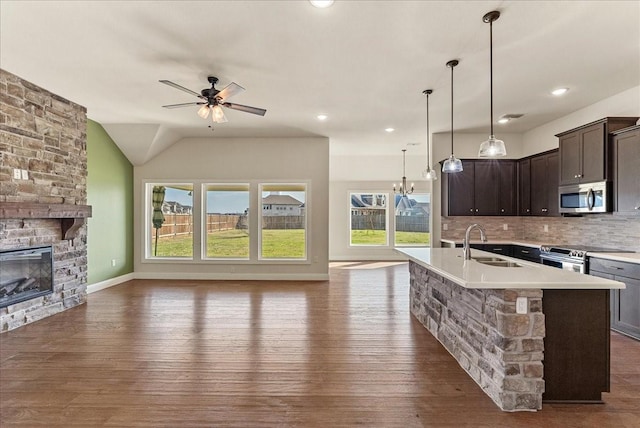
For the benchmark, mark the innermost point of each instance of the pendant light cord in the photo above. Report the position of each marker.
(452, 109)
(491, 71)
(428, 145)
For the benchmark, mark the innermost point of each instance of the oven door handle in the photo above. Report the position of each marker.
(556, 258)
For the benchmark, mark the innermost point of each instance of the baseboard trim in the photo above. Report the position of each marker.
(233, 276)
(92, 288)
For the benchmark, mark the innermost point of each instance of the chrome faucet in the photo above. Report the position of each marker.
(466, 250)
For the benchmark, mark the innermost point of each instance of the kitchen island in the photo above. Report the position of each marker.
(526, 333)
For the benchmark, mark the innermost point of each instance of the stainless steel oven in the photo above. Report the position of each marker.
(585, 198)
(564, 258)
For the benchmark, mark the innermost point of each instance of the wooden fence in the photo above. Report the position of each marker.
(182, 224)
(377, 222)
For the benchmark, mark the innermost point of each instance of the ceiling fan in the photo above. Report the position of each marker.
(213, 99)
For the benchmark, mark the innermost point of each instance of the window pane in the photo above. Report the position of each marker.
(227, 223)
(412, 219)
(171, 212)
(368, 219)
(283, 221)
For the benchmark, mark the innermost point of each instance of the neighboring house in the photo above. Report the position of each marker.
(405, 206)
(274, 205)
(368, 204)
(172, 207)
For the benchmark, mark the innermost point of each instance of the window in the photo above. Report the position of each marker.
(368, 219)
(170, 215)
(226, 231)
(412, 219)
(283, 223)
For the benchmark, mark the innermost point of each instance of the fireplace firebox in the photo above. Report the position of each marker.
(25, 274)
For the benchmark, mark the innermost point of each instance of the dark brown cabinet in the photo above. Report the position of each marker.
(524, 186)
(626, 167)
(625, 303)
(458, 191)
(544, 184)
(585, 152)
(484, 187)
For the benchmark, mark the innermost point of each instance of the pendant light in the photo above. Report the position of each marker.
(403, 185)
(428, 174)
(452, 164)
(492, 147)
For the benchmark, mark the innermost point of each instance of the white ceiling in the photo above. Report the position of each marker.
(364, 63)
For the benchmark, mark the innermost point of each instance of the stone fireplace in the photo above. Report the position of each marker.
(43, 192)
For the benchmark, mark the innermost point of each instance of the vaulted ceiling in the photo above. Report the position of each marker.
(363, 63)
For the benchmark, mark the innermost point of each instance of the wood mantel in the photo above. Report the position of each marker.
(71, 216)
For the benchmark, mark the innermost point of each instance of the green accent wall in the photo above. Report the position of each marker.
(110, 193)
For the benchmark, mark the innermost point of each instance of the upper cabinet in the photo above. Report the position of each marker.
(585, 152)
(484, 187)
(626, 166)
(538, 184)
(544, 184)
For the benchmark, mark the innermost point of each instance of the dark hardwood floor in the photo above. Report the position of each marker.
(241, 354)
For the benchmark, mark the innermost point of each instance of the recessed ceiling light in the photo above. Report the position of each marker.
(322, 117)
(389, 129)
(321, 4)
(559, 91)
(503, 120)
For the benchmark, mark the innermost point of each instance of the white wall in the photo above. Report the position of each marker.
(252, 160)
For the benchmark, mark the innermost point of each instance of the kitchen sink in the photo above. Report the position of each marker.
(495, 261)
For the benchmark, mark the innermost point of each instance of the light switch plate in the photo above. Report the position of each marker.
(505, 226)
(16, 174)
(521, 305)
(445, 226)
(25, 174)
(546, 227)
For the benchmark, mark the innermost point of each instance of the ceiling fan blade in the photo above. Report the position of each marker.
(182, 105)
(230, 90)
(182, 88)
(246, 109)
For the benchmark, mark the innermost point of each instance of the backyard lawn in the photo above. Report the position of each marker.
(276, 243)
(234, 243)
(379, 237)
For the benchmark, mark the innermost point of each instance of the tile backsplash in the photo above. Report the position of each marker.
(614, 231)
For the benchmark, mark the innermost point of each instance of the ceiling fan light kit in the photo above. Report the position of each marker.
(452, 164)
(428, 174)
(212, 99)
(492, 147)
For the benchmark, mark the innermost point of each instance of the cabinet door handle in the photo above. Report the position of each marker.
(502, 210)
(476, 210)
(470, 210)
(528, 209)
(524, 252)
(638, 207)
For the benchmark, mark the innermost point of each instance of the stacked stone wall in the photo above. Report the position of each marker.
(501, 350)
(45, 135)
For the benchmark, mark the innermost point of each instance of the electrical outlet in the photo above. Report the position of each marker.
(17, 174)
(315, 259)
(445, 226)
(521, 305)
(25, 174)
(505, 226)
(113, 262)
(545, 227)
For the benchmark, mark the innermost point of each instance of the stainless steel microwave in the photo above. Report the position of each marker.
(585, 198)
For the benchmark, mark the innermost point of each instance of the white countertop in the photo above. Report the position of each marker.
(449, 263)
(621, 257)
